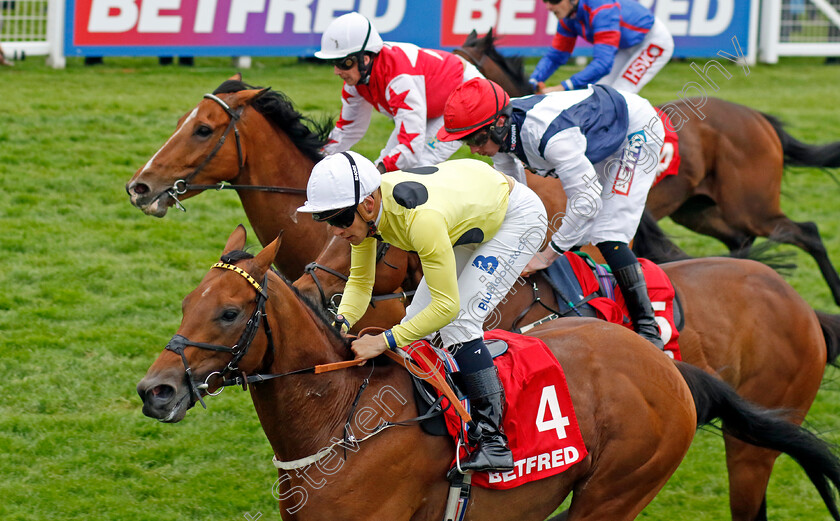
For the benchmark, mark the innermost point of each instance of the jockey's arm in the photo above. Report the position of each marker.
(357, 292)
(562, 46)
(353, 121)
(406, 95)
(605, 40)
(429, 235)
(580, 182)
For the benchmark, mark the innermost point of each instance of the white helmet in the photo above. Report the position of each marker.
(348, 34)
(332, 184)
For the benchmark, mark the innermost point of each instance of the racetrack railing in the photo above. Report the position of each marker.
(799, 28)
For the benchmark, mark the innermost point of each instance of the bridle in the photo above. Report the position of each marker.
(179, 342)
(240, 349)
(331, 304)
(182, 186)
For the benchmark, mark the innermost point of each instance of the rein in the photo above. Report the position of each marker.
(331, 304)
(467, 56)
(182, 186)
(178, 343)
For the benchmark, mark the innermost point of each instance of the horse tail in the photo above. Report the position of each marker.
(765, 428)
(830, 325)
(803, 154)
(653, 244)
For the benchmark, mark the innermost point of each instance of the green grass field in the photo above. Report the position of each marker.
(92, 291)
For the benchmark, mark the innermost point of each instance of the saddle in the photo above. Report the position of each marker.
(585, 288)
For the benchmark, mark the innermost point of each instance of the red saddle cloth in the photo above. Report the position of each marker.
(660, 291)
(669, 160)
(539, 420)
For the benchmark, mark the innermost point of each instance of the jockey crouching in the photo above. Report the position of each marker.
(629, 44)
(601, 143)
(474, 230)
(402, 81)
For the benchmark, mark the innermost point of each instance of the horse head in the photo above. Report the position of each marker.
(507, 71)
(222, 333)
(205, 148)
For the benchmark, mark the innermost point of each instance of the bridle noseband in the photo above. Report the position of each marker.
(182, 186)
(240, 349)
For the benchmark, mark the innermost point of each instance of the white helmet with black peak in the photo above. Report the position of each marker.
(348, 34)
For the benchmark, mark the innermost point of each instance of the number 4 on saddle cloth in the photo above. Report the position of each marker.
(588, 289)
(539, 420)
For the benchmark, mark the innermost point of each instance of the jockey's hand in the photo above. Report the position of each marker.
(540, 261)
(369, 346)
(341, 324)
(555, 88)
(381, 168)
(538, 86)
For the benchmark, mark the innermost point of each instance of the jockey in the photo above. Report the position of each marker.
(630, 44)
(602, 144)
(406, 83)
(474, 229)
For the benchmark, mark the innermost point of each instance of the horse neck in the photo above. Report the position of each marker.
(300, 413)
(272, 159)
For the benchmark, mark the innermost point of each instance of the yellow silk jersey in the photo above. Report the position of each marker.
(429, 210)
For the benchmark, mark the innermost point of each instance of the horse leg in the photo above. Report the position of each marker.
(749, 470)
(702, 215)
(805, 235)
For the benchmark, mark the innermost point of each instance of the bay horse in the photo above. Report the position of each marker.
(743, 323)
(637, 410)
(729, 180)
(254, 139)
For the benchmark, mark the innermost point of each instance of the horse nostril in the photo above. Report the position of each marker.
(139, 189)
(157, 395)
(162, 393)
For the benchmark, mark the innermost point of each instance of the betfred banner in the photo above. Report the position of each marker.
(294, 27)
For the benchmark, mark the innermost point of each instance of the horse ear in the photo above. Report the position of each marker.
(236, 241)
(267, 255)
(249, 96)
(236, 77)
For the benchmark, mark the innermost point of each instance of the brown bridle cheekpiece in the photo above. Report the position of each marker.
(182, 186)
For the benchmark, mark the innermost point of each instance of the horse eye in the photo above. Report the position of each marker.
(229, 315)
(203, 131)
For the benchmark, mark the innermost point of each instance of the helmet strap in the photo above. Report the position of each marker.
(498, 130)
(364, 68)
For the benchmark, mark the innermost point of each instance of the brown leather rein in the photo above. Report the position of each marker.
(436, 379)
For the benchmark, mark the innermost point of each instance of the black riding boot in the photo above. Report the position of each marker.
(487, 400)
(631, 281)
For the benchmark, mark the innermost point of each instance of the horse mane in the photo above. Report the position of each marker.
(235, 256)
(513, 66)
(309, 136)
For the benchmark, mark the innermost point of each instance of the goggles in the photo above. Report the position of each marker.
(342, 218)
(346, 63)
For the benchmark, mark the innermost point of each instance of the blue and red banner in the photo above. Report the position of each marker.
(294, 27)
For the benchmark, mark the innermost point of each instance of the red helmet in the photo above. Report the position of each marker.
(474, 104)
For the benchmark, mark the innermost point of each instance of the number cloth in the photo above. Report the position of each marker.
(540, 421)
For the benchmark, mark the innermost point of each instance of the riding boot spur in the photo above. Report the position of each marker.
(487, 404)
(631, 281)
